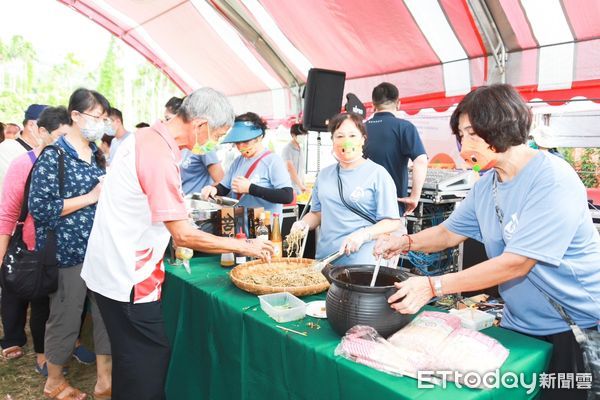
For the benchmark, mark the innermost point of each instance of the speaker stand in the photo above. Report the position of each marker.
(318, 154)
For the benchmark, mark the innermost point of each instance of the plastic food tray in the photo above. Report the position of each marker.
(473, 319)
(283, 307)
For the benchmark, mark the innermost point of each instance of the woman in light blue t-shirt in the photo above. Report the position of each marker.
(530, 211)
(258, 177)
(367, 206)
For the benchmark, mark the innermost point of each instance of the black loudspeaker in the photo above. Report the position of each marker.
(322, 98)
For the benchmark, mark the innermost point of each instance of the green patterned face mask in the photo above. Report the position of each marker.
(348, 151)
(200, 149)
(207, 147)
(348, 145)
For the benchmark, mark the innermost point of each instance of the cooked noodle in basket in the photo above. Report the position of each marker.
(293, 243)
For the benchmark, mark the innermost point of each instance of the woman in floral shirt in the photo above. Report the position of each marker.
(70, 212)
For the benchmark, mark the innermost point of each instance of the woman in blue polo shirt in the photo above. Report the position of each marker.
(69, 210)
(258, 177)
(353, 200)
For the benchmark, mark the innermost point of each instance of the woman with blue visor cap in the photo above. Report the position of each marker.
(258, 177)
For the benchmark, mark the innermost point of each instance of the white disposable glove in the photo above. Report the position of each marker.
(208, 191)
(299, 226)
(354, 241)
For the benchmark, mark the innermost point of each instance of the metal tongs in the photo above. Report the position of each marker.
(224, 201)
(218, 200)
(320, 264)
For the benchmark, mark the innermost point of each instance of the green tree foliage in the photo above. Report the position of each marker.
(24, 81)
(589, 168)
(111, 75)
(586, 165)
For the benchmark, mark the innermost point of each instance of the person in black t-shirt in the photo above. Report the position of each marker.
(391, 142)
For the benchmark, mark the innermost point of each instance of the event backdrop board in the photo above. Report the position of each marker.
(225, 347)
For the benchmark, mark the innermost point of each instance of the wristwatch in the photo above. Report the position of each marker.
(437, 286)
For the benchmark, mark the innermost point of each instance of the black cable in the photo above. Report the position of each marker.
(348, 206)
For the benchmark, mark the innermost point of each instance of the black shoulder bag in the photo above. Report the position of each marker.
(32, 274)
(348, 206)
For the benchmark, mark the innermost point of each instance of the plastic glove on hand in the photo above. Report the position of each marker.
(354, 241)
(299, 226)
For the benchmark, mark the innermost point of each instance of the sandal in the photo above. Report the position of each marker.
(74, 394)
(12, 353)
(106, 395)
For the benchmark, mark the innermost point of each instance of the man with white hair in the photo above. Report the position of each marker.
(140, 207)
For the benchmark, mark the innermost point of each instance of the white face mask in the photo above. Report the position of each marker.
(110, 130)
(93, 130)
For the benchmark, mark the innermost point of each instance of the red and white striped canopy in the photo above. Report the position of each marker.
(259, 52)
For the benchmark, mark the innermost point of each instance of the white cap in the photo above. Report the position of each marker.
(544, 136)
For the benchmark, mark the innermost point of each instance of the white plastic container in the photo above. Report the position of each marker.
(283, 307)
(473, 319)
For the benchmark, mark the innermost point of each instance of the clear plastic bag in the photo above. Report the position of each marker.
(364, 345)
(433, 341)
(426, 332)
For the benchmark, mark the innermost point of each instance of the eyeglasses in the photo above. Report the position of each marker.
(106, 120)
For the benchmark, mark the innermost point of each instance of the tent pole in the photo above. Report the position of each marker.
(493, 40)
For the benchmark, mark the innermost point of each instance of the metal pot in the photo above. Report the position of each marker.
(204, 214)
(201, 210)
(351, 301)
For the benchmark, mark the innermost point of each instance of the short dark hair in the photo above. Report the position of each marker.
(142, 125)
(384, 93)
(53, 117)
(297, 129)
(115, 112)
(497, 113)
(255, 119)
(338, 120)
(84, 99)
(1, 132)
(173, 104)
(107, 139)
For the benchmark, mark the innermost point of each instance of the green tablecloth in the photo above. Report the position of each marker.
(225, 347)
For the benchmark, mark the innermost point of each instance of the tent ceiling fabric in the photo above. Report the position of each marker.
(257, 51)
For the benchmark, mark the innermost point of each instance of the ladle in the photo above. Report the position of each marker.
(375, 271)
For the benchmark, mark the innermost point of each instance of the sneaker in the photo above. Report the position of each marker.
(43, 370)
(84, 356)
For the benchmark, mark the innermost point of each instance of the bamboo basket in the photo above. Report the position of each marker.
(238, 273)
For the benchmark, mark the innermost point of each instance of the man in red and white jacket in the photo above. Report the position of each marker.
(140, 207)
